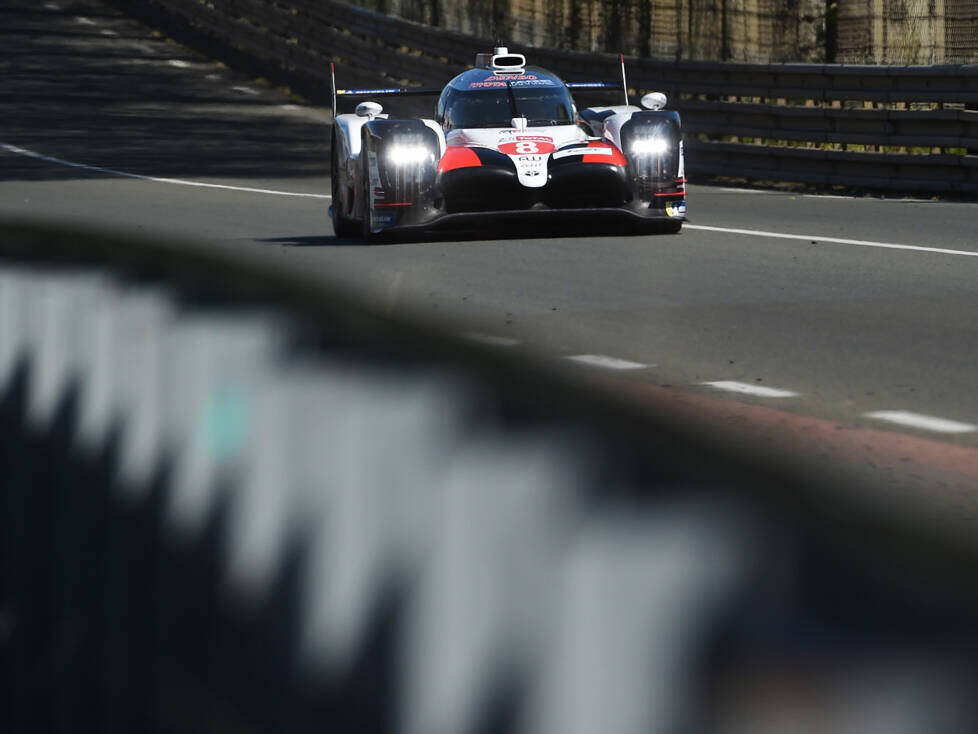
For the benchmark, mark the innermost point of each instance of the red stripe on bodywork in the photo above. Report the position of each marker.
(616, 158)
(458, 156)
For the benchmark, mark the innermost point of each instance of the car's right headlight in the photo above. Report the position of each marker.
(656, 145)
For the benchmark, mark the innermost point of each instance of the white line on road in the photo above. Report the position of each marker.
(98, 169)
(745, 388)
(491, 339)
(750, 232)
(732, 190)
(178, 63)
(611, 363)
(831, 240)
(926, 422)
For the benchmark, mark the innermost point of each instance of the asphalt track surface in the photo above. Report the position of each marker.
(855, 316)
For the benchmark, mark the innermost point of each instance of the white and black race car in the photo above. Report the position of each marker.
(506, 141)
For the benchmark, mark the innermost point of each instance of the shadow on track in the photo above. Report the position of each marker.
(86, 84)
(510, 231)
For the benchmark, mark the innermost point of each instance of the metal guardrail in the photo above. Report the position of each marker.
(806, 123)
(246, 503)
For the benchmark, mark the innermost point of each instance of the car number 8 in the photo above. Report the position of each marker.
(527, 146)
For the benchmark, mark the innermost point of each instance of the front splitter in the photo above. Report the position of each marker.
(507, 219)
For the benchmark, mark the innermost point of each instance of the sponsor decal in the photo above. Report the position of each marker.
(530, 154)
(526, 145)
(515, 80)
(373, 170)
(583, 151)
(594, 152)
(593, 156)
(385, 90)
(372, 182)
(382, 220)
(676, 208)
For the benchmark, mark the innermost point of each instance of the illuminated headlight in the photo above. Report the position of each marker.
(654, 146)
(401, 155)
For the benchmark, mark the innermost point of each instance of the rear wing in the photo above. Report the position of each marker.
(431, 92)
(592, 85)
(378, 92)
(623, 85)
(597, 87)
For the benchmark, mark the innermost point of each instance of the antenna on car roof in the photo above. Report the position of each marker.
(624, 84)
(485, 59)
(332, 88)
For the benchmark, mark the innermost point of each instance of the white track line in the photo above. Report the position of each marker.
(272, 192)
(610, 363)
(832, 240)
(491, 339)
(176, 181)
(746, 388)
(730, 190)
(925, 422)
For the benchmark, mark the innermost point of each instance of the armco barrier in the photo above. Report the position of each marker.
(790, 114)
(245, 503)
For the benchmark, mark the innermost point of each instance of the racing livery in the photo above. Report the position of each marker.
(506, 141)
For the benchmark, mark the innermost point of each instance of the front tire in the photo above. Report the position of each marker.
(343, 227)
(366, 210)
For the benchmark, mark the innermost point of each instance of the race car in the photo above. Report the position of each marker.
(506, 142)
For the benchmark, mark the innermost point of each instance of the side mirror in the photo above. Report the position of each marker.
(654, 101)
(369, 109)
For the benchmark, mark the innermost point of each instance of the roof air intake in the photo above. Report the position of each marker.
(503, 62)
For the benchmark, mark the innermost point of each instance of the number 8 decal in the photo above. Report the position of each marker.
(527, 146)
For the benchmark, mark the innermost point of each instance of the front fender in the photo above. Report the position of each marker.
(652, 143)
(398, 167)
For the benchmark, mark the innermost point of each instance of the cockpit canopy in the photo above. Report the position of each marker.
(485, 98)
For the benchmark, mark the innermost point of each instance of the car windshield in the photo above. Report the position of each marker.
(495, 107)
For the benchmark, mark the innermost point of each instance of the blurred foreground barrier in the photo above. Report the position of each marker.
(234, 501)
(900, 128)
